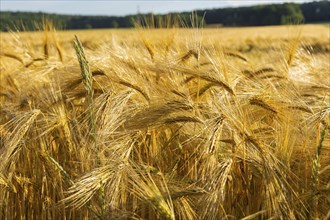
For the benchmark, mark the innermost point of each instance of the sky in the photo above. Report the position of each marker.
(121, 8)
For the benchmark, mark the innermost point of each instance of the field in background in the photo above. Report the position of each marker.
(225, 123)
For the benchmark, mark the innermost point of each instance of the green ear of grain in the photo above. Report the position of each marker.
(87, 79)
(85, 70)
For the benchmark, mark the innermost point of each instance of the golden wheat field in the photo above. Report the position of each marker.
(177, 123)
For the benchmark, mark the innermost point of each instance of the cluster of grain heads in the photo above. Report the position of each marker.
(50, 39)
(26, 53)
(162, 127)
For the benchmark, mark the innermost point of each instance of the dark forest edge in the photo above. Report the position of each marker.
(260, 15)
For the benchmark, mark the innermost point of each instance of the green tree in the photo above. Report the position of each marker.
(114, 24)
(291, 13)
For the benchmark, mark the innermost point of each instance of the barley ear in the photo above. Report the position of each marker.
(87, 79)
(85, 70)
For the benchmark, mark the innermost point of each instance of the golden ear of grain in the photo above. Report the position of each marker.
(137, 88)
(149, 48)
(301, 108)
(13, 56)
(189, 54)
(219, 83)
(264, 70)
(205, 88)
(98, 72)
(236, 55)
(181, 118)
(292, 49)
(261, 103)
(198, 74)
(12, 143)
(46, 27)
(58, 47)
(33, 61)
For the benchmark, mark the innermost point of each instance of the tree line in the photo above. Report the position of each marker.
(259, 15)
